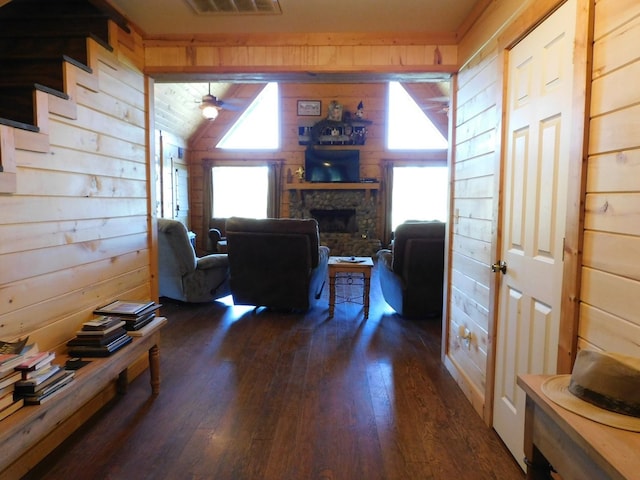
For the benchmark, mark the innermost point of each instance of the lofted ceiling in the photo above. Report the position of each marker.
(177, 102)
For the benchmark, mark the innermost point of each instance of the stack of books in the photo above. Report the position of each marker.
(11, 355)
(8, 379)
(99, 337)
(40, 378)
(134, 314)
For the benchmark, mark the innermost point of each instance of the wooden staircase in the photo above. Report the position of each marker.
(37, 37)
(46, 49)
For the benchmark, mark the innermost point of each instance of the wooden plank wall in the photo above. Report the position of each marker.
(610, 298)
(610, 283)
(475, 173)
(321, 52)
(372, 154)
(75, 234)
(475, 203)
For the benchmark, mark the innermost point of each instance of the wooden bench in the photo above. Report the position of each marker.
(578, 448)
(31, 433)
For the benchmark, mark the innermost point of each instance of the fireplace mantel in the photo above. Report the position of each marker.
(301, 186)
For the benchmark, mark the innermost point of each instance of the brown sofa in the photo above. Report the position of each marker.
(412, 272)
(276, 263)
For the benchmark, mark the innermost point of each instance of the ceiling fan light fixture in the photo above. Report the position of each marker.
(210, 112)
(210, 106)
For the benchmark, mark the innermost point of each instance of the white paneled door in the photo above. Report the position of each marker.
(538, 122)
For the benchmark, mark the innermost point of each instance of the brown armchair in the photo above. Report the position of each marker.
(412, 272)
(217, 235)
(277, 263)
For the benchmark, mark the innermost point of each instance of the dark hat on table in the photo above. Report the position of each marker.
(603, 387)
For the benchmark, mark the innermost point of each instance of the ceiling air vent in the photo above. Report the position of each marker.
(236, 7)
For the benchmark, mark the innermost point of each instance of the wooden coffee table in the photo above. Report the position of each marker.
(347, 267)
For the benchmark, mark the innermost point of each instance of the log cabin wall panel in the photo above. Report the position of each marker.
(328, 52)
(474, 177)
(612, 14)
(481, 38)
(75, 233)
(612, 202)
(606, 328)
(611, 260)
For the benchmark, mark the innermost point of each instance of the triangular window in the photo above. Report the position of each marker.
(409, 128)
(258, 128)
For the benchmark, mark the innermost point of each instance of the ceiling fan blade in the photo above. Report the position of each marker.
(229, 105)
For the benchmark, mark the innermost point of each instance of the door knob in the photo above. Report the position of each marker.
(501, 266)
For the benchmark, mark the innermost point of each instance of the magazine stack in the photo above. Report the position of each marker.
(11, 355)
(40, 378)
(99, 337)
(134, 314)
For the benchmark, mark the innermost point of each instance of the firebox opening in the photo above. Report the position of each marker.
(336, 220)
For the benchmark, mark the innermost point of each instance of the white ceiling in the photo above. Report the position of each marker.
(177, 17)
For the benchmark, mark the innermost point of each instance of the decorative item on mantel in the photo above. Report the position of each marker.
(335, 112)
(339, 128)
(300, 174)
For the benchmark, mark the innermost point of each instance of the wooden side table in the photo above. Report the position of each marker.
(578, 448)
(350, 266)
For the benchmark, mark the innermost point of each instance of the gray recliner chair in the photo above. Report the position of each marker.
(412, 272)
(184, 276)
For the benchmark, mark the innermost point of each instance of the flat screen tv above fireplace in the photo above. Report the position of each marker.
(328, 166)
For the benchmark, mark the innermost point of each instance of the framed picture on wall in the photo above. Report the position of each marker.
(309, 108)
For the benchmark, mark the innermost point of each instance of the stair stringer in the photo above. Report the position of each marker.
(46, 104)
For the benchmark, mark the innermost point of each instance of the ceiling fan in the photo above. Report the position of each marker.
(211, 105)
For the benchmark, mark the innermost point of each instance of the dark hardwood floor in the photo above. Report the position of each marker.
(268, 395)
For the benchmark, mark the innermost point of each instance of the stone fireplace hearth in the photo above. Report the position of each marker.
(347, 219)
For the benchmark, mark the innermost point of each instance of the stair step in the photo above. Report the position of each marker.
(41, 48)
(74, 47)
(20, 125)
(17, 102)
(66, 9)
(34, 27)
(36, 38)
(48, 72)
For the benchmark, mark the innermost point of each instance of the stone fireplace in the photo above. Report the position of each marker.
(347, 218)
